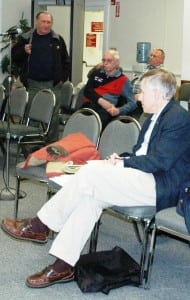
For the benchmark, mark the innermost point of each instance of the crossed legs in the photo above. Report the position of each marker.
(74, 210)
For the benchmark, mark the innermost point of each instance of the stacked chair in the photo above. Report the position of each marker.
(66, 100)
(13, 114)
(36, 128)
(15, 110)
(71, 100)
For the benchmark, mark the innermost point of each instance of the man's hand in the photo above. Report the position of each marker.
(110, 108)
(28, 48)
(114, 159)
(113, 111)
(104, 103)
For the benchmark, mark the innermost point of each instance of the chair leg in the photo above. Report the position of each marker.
(50, 193)
(48, 196)
(137, 232)
(17, 193)
(94, 237)
(150, 257)
(147, 224)
(2, 148)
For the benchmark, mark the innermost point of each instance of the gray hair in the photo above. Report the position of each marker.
(44, 12)
(163, 80)
(113, 52)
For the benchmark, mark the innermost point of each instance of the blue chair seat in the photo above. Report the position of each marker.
(138, 212)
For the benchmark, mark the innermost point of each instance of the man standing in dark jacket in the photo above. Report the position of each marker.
(44, 63)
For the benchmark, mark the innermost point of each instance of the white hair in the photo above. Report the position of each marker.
(114, 53)
(162, 80)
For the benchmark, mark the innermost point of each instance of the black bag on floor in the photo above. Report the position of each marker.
(106, 270)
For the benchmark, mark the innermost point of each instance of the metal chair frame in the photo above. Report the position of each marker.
(2, 97)
(165, 222)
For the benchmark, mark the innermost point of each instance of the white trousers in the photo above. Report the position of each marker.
(74, 210)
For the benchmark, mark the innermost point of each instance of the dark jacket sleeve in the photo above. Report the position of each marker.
(89, 91)
(19, 56)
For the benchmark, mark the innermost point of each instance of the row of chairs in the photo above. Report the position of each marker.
(32, 129)
(119, 136)
(38, 123)
(71, 100)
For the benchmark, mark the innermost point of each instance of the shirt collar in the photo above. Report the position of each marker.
(116, 74)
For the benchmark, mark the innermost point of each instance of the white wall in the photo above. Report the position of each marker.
(10, 14)
(164, 23)
(159, 22)
(92, 55)
(185, 72)
(61, 22)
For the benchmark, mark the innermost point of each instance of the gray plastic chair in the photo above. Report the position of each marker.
(86, 121)
(78, 97)
(65, 102)
(75, 103)
(40, 115)
(143, 118)
(184, 92)
(169, 222)
(18, 101)
(13, 113)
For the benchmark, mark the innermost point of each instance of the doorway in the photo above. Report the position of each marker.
(93, 40)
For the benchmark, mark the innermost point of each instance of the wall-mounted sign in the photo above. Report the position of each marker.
(97, 26)
(90, 40)
(117, 9)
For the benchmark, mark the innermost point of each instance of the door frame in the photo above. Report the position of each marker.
(105, 6)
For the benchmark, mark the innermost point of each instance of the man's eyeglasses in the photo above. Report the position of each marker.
(153, 55)
(109, 60)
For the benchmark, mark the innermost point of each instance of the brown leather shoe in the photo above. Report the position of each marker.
(22, 230)
(49, 276)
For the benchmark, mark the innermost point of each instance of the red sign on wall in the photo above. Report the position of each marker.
(90, 40)
(97, 26)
